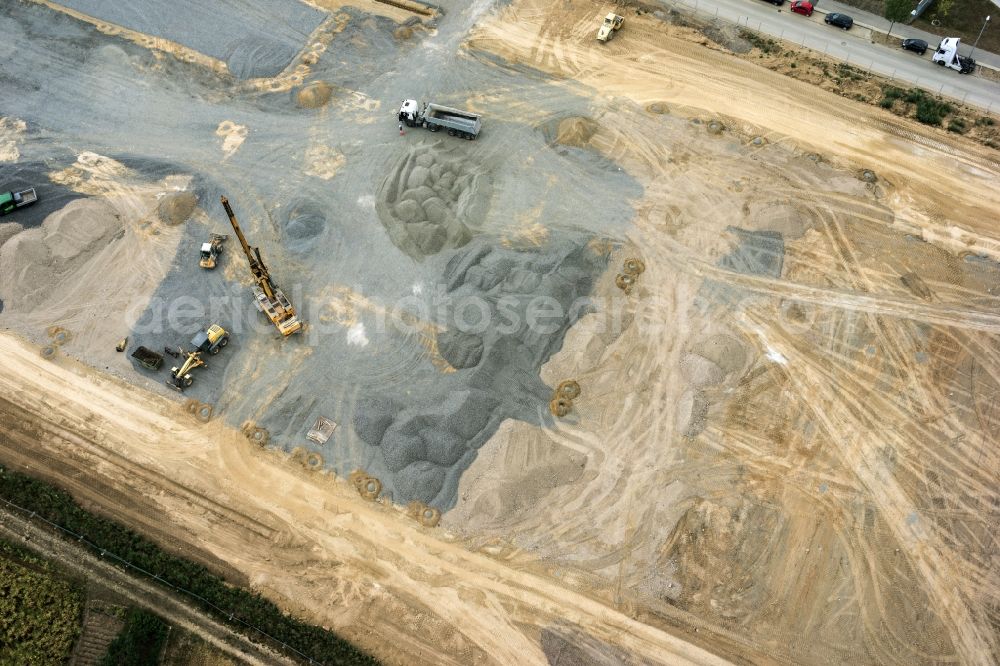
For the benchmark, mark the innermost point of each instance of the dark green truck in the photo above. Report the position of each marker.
(11, 201)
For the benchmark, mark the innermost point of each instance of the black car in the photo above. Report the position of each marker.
(915, 45)
(777, 3)
(840, 20)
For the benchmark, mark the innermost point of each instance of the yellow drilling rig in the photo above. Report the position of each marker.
(267, 297)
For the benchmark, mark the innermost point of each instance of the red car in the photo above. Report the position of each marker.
(802, 7)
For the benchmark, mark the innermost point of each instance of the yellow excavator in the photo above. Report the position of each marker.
(267, 297)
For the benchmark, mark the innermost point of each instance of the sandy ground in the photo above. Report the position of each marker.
(782, 450)
(365, 569)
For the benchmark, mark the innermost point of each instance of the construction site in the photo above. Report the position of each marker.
(654, 355)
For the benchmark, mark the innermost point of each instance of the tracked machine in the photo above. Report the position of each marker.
(268, 298)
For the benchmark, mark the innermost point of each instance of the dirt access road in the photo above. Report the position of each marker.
(365, 569)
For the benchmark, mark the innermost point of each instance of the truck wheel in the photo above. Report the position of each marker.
(188, 381)
(224, 341)
(214, 350)
(469, 137)
(451, 132)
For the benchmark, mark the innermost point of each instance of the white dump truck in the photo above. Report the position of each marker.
(435, 117)
(946, 55)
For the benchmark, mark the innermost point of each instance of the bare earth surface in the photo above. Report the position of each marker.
(785, 446)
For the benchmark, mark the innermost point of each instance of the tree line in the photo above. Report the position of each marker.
(59, 507)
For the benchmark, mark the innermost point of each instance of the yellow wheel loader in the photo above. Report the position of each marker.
(211, 341)
(211, 250)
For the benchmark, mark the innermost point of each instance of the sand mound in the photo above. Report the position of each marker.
(8, 230)
(700, 371)
(175, 209)
(724, 351)
(575, 131)
(434, 200)
(425, 447)
(461, 350)
(35, 262)
(314, 95)
(659, 108)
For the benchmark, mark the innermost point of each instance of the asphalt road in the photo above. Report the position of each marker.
(851, 46)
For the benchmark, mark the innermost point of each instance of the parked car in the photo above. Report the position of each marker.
(777, 3)
(840, 20)
(915, 45)
(802, 7)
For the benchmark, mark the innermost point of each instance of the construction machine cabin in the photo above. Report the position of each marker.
(268, 298)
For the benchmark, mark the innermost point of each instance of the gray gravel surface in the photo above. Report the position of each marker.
(329, 242)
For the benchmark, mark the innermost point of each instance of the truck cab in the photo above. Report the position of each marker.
(947, 55)
(11, 201)
(409, 112)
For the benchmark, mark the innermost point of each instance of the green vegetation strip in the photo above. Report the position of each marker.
(40, 613)
(139, 642)
(243, 609)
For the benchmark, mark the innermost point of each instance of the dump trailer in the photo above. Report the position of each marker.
(211, 250)
(612, 24)
(148, 358)
(946, 55)
(11, 201)
(436, 117)
(267, 297)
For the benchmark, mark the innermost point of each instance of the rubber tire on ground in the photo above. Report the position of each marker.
(569, 389)
(625, 282)
(451, 132)
(214, 350)
(224, 341)
(204, 412)
(189, 381)
(633, 266)
(560, 407)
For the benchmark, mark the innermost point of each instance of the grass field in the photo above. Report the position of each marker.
(40, 612)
